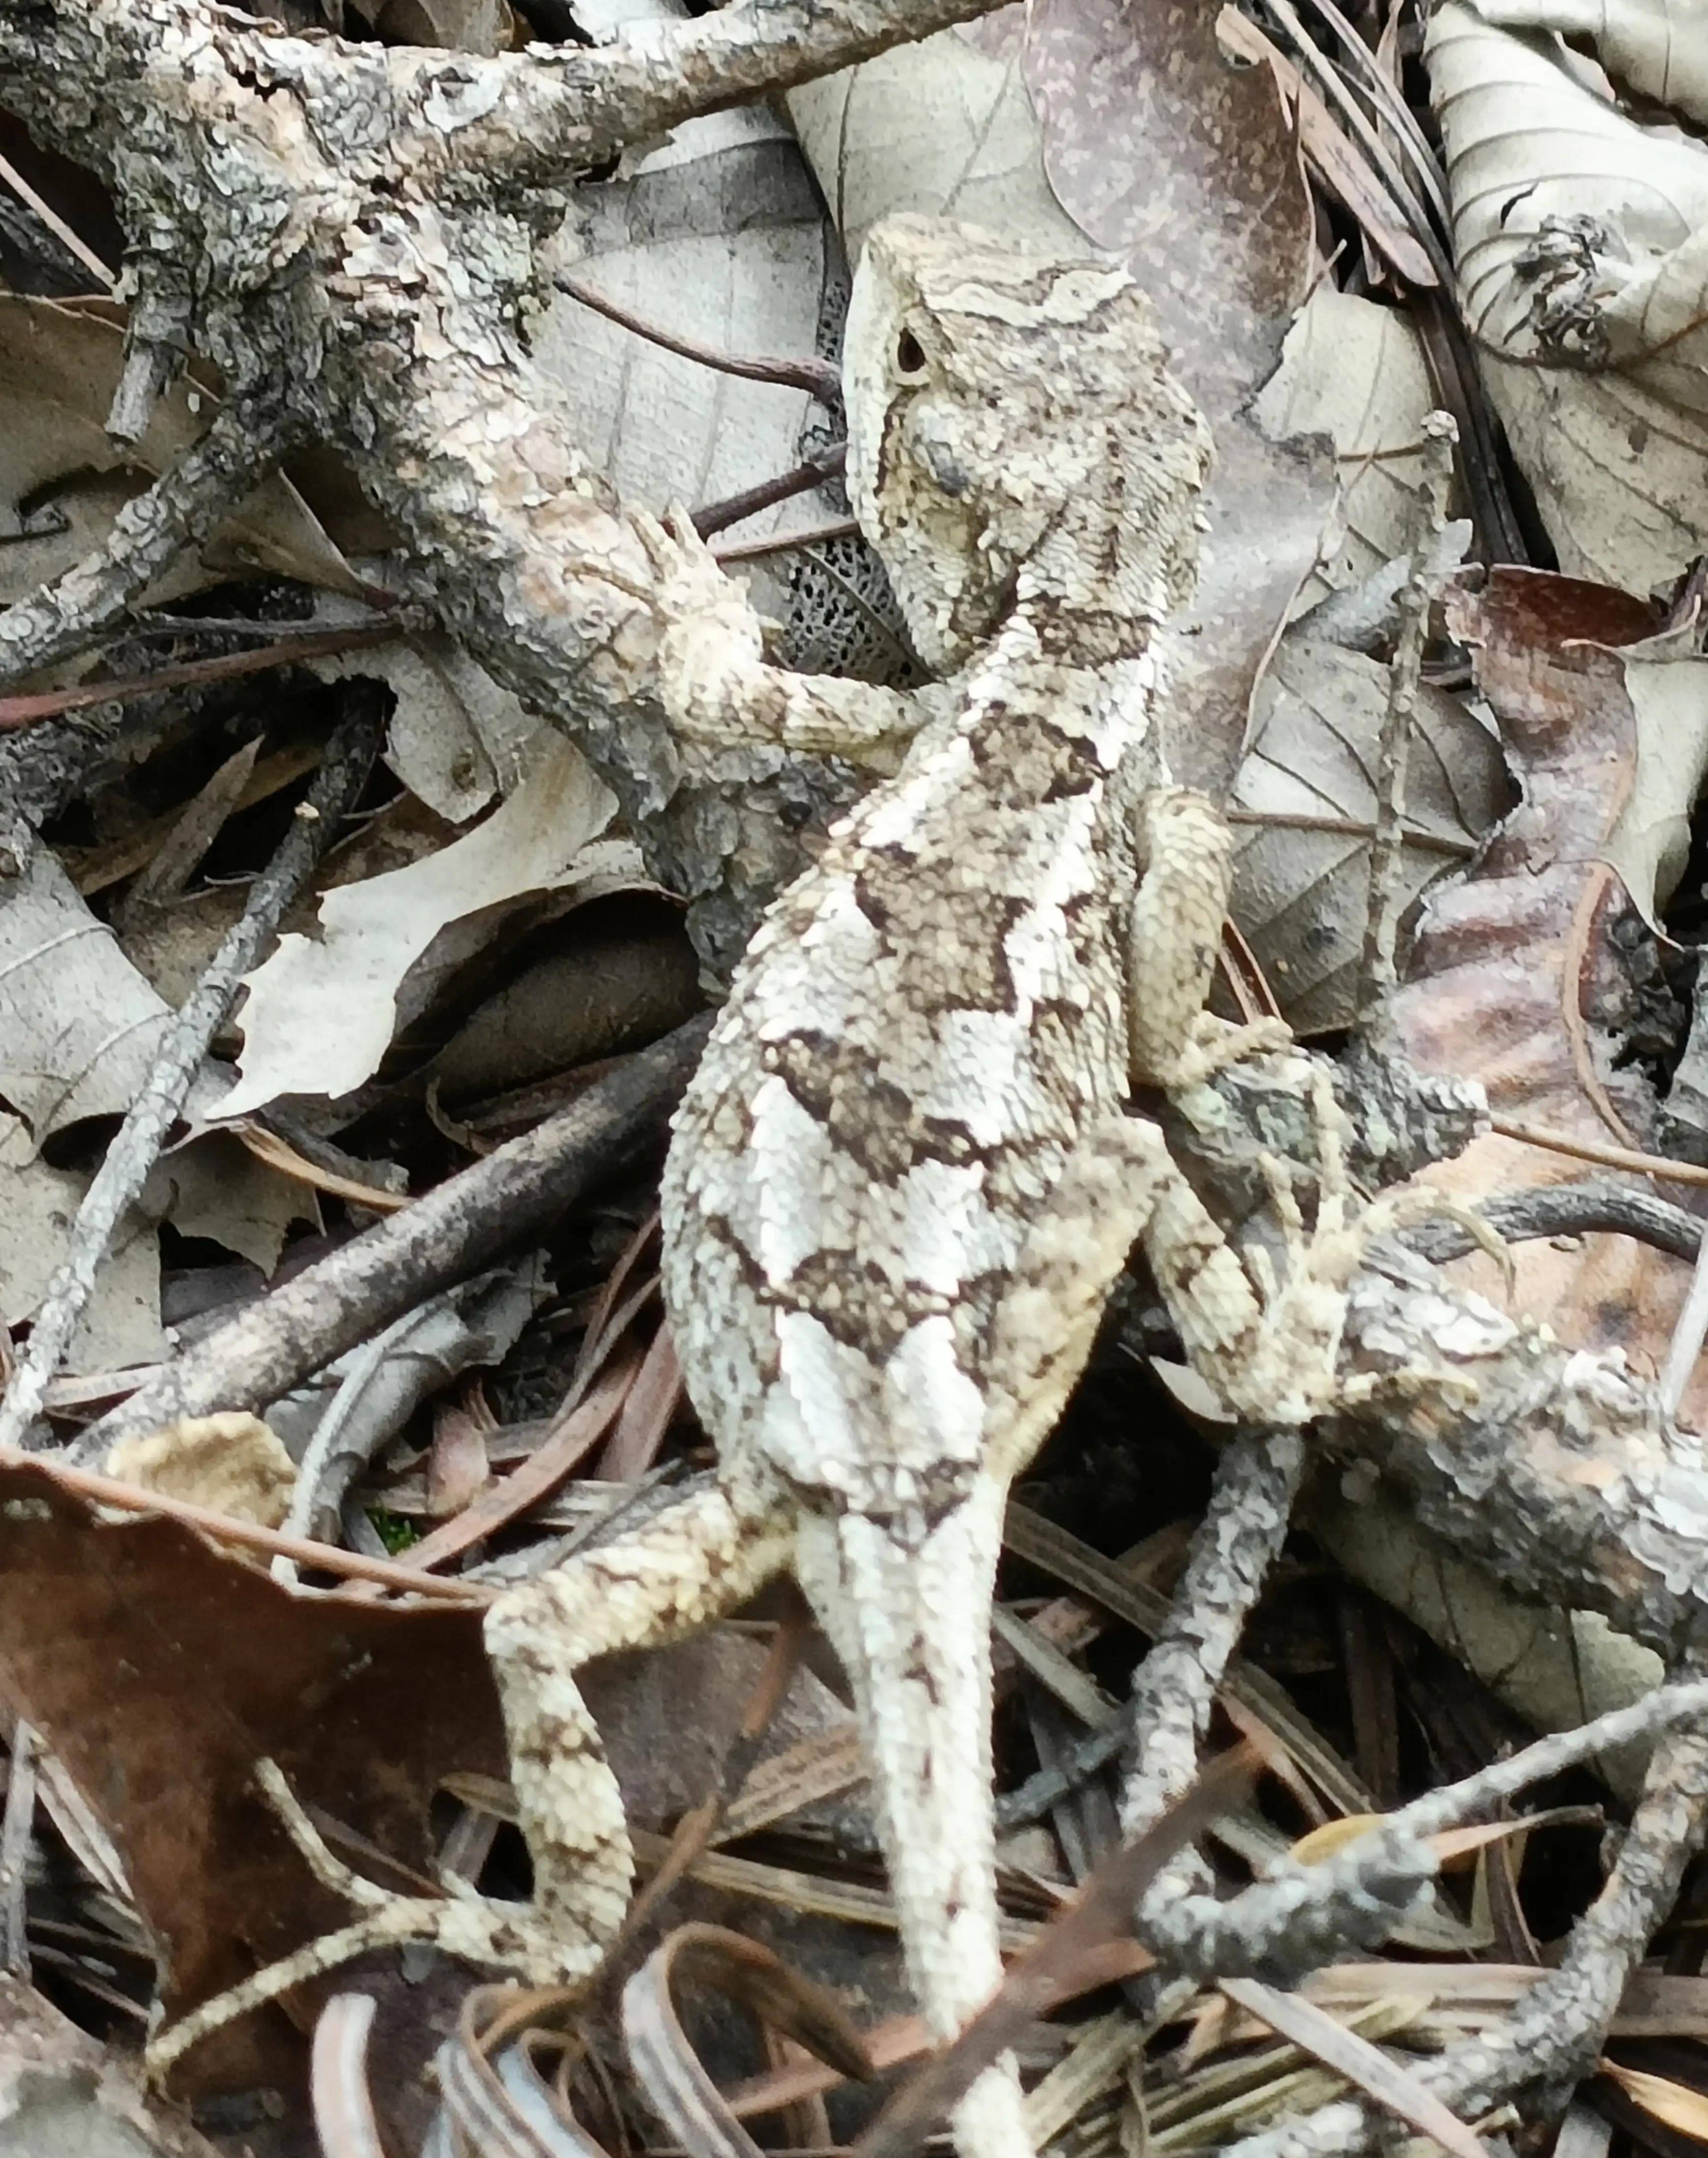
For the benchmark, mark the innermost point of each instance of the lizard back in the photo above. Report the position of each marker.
(928, 1018)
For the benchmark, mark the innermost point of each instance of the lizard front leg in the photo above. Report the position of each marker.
(718, 687)
(687, 1565)
(1174, 937)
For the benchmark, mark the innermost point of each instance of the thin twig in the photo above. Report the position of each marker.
(789, 543)
(183, 508)
(737, 508)
(1554, 2036)
(251, 1536)
(1339, 827)
(1378, 969)
(73, 242)
(818, 378)
(1608, 1157)
(26, 712)
(1232, 1550)
(134, 1150)
(495, 1206)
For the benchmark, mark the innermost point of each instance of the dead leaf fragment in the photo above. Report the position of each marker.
(59, 365)
(320, 1012)
(1676, 2104)
(1660, 47)
(232, 1464)
(1523, 971)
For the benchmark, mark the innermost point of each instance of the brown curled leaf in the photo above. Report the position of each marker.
(343, 2105)
(669, 2070)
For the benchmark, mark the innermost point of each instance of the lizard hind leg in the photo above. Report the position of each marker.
(686, 1566)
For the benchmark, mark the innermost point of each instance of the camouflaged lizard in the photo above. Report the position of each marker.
(906, 1173)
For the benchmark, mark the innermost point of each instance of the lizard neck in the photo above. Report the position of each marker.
(1081, 681)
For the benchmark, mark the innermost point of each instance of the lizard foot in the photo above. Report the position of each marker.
(711, 644)
(1293, 1362)
(716, 684)
(462, 1923)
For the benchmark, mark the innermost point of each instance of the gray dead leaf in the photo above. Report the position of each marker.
(121, 1323)
(322, 1011)
(945, 126)
(1565, 209)
(79, 1025)
(60, 365)
(718, 236)
(214, 1187)
(1300, 896)
(1660, 47)
(1354, 371)
(1667, 682)
(336, 1425)
(610, 990)
(194, 830)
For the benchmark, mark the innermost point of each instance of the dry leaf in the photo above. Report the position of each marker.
(947, 125)
(232, 1464)
(1660, 47)
(1526, 974)
(159, 1670)
(1301, 896)
(1354, 371)
(321, 1012)
(121, 1323)
(1677, 2105)
(618, 981)
(1559, 203)
(456, 738)
(1394, 2089)
(80, 1028)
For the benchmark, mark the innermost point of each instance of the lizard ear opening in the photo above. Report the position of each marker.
(909, 357)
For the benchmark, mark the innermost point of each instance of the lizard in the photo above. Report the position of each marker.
(907, 1172)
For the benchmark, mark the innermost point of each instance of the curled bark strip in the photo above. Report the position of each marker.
(497, 2101)
(343, 2105)
(677, 2085)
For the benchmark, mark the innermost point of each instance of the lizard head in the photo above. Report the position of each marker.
(1013, 433)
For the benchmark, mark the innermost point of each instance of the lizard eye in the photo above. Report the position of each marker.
(909, 357)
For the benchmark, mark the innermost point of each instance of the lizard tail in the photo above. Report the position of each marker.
(909, 1614)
